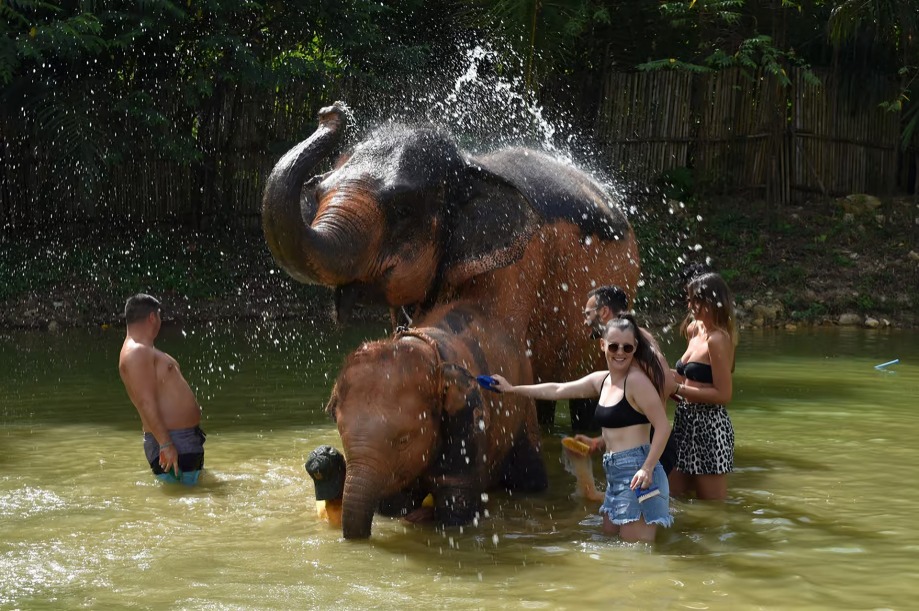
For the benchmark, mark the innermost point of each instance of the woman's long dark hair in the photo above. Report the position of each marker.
(644, 354)
(712, 291)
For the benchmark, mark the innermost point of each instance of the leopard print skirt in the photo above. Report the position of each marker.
(704, 439)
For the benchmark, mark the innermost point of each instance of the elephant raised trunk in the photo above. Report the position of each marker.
(360, 502)
(314, 255)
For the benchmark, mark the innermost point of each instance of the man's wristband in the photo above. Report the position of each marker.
(163, 446)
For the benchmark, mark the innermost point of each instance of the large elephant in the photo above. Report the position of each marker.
(413, 421)
(408, 220)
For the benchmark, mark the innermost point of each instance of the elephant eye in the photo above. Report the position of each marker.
(398, 192)
(403, 440)
(403, 203)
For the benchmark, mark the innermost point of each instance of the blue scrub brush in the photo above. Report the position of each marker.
(487, 382)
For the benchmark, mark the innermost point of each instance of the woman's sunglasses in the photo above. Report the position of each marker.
(614, 347)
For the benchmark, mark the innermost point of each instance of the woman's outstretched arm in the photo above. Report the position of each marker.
(585, 388)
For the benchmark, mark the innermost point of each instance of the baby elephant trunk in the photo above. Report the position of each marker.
(360, 501)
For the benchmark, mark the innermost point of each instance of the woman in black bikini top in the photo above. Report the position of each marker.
(697, 372)
(619, 415)
(702, 429)
(632, 459)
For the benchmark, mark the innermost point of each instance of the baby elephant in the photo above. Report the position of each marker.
(413, 421)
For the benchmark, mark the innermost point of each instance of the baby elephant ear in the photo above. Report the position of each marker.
(463, 424)
(460, 389)
(331, 407)
(489, 226)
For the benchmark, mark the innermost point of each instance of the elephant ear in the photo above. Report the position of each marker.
(463, 422)
(331, 407)
(489, 226)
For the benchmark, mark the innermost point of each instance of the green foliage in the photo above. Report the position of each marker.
(725, 34)
(687, 14)
(747, 243)
(877, 282)
(841, 260)
(876, 30)
(729, 274)
(886, 21)
(753, 54)
(902, 104)
(674, 64)
(549, 36)
(678, 183)
(806, 312)
(88, 85)
(865, 302)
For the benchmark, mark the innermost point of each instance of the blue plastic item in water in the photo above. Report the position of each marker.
(888, 363)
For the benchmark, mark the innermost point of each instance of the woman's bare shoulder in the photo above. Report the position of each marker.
(595, 379)
(637, 375)
(717, 337)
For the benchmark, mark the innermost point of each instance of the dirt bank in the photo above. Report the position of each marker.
(820, 263)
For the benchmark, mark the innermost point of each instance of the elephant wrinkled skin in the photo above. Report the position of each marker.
(413, 421)
(407, 219)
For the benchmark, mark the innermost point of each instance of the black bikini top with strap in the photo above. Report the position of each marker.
(698, 372)
(620, 415)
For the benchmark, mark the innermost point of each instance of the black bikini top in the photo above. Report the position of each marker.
(620, 415)
(697, 372)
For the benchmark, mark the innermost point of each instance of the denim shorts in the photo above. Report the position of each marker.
(621, 504)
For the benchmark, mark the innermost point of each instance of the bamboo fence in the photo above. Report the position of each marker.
(645, 123)
(738, 133)
(734, 132)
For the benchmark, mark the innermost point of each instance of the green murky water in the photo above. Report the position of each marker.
(821, 511)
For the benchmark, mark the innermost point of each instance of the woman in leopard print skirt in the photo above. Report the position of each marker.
(701, 426)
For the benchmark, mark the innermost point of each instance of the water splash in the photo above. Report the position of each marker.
(479, 96)
(490, 107)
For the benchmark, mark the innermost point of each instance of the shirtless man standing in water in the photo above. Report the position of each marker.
(169, 412)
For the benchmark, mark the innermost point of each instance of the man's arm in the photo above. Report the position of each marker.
(138, 371)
